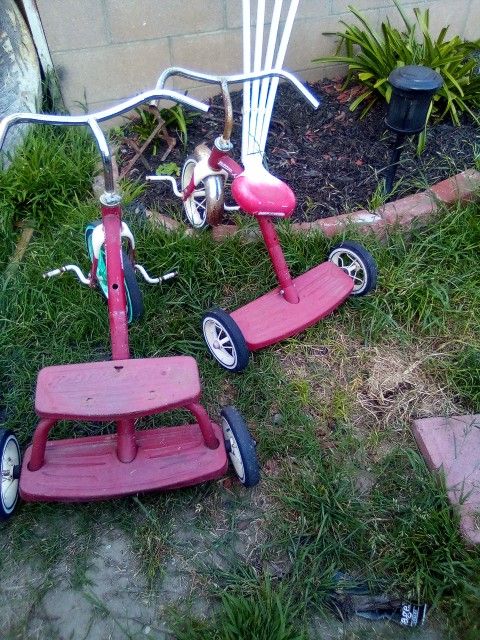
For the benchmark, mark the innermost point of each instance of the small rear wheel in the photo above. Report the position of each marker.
(205, 205)
(10, 460)
(240, 447)
(132, 290)
(358, 263)
(225, 340)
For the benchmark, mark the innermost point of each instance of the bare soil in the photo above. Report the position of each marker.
(332, 158)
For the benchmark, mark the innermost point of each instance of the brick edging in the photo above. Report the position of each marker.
(460, 188)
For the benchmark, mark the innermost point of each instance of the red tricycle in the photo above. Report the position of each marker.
(122, 389)
(296, 303)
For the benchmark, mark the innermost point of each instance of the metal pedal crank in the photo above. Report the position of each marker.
(150, 280)
(69, 267)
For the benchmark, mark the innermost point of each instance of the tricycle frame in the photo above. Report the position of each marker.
(62, 470)
(297, 302)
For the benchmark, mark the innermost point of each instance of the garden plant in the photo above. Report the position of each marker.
(371, 56)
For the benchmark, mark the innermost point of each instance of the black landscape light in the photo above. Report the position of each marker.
(413, 88)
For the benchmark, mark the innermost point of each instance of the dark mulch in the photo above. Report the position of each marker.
(330, 157)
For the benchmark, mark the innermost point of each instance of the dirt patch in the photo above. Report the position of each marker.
(110, 597)
(111, 603)
(376, 389)
(330, 157)
(398, 388)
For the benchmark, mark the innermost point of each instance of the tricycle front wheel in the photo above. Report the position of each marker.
(240, 447)
(205, 205)
(132, 290)
(10, 461)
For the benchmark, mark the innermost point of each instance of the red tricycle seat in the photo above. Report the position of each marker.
(256, 191)
(100, 391)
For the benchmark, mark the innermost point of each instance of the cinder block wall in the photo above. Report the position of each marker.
(108, 50)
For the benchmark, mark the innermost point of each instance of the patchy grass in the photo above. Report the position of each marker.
(264, 612)
(343, 486)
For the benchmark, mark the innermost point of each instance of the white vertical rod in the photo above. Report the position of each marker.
(278, 64)
(272, 40)
(257, 66)
(246, 69)
(38, 35)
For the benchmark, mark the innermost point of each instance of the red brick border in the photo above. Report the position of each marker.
(460, 188)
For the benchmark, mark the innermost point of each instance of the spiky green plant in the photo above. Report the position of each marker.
(48, 173)
(371, 57)
(174, 117)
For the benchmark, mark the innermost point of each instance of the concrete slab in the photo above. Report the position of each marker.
(453, 445)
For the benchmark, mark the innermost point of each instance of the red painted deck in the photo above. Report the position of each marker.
(88, 468)
(114, 389)
(270, 318)
(453, 445)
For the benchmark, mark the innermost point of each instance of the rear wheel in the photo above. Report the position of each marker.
(225, 340)
(240, 447)
(10, 460)
(205, 205)
(132, 290)
(358, 263)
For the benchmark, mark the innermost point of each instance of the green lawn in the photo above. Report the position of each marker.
(343, 486)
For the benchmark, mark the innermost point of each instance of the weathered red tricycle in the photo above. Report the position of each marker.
(120, 390)
(296, 303)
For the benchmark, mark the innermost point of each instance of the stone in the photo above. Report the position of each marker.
(452, 446)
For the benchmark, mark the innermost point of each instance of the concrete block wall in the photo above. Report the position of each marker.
(107, 50)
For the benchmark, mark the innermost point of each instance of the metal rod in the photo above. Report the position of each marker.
(150, 280)
(227, 105)
(391, 170)
(246, 69)
(256, 134)
(117, 297)
(92, 119)
(240, 77)
(205, 424)
(257, 66)
(278, 63)
(68, 267)
(109, 182)
(172, 181)
(270, 236)
(37, 456)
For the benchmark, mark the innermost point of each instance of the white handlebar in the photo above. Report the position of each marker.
(242, 77)
(92, 119)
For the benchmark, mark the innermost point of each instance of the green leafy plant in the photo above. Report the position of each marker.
(144, 124)
(371, 57)
(131, 190)
(168, 169)
(173, 117)
(179, 119)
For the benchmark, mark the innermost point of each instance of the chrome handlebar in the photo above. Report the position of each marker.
(236, 78)
(92, 119)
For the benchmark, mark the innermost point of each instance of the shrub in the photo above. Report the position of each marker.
(173, 117)
(52, 167)
(372, 56)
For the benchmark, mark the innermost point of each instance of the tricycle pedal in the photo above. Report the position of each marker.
(150, 280)
(68, 267)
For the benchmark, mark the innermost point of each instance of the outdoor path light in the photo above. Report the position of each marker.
(413, 88)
